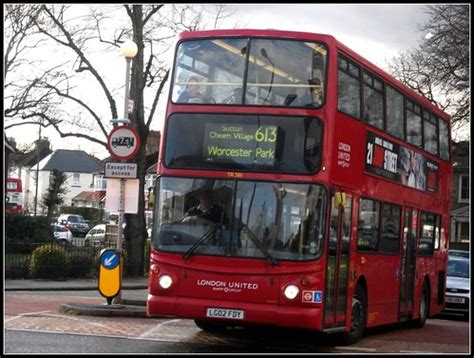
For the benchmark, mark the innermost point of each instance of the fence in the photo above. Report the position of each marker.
(80, 262)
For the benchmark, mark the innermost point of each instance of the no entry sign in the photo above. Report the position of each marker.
(123, 142)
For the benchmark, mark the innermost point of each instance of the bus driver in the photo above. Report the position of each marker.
(205, 212)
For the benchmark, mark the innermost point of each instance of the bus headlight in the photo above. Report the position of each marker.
(165, 281)
(291, 291)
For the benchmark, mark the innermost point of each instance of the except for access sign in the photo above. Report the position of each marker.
(121, 170)
(123, 142)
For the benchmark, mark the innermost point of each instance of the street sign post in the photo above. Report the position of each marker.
(123, 144)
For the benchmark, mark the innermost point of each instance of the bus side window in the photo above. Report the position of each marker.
(368, 230)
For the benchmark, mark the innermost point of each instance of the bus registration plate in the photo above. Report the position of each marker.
(225, 313)
(455, 300)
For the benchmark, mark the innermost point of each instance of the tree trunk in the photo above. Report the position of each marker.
(135, 234)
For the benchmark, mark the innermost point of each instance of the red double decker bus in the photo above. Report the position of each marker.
(14, 196)
(298, 185)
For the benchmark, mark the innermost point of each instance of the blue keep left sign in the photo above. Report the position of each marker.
(109, 259)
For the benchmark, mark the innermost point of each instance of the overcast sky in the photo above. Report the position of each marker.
(377, 32)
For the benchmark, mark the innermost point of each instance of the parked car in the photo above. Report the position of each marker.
(76, 223)
(457, 285)
(459, 253)
(62, 234)
(96, 236)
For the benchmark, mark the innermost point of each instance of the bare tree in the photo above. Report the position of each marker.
(440, 66)
(54, 196)
(71, 90)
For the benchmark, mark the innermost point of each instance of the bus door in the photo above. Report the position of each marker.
(408, 264)
(337, 267)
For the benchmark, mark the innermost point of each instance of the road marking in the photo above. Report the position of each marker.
(157, 327)
(25, 314)
(361, 349)
(86, 321)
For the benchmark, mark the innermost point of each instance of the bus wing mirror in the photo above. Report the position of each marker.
(339, 199)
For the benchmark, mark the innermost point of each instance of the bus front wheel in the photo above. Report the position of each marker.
(424, 307)
(358, 317)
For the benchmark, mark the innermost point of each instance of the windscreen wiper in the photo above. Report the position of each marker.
(202, 240)
(273, 261)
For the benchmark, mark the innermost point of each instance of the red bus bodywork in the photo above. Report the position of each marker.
(14, 197)
(256, 287)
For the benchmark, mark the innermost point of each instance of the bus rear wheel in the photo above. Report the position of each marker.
(358, 317)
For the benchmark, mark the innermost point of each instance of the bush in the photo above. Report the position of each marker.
(24, 232)
(82, 262)
(17, 269)
(49, 261)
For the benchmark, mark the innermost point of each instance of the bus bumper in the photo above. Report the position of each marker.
(254, 313)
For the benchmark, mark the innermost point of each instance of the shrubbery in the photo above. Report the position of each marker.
(22, 233)
(50, 261)
(82, 262)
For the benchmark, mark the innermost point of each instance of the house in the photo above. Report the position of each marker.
(89, 199)
(9, 151)
(23, 166)
(76, 164)
(460, 197)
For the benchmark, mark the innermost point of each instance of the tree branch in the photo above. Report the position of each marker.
(157, 97)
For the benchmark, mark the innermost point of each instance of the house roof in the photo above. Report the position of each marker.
(29, 159)
(89, 196)
(75, 161)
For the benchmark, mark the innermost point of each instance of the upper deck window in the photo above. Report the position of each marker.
(373, 100)
(443, 139)
(414, 124)
(430, 132)
(279, 72)
(348, 87)
(395, 113)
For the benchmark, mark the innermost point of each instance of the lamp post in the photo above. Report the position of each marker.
(128, 49)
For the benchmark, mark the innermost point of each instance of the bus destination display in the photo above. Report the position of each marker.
(242, 143)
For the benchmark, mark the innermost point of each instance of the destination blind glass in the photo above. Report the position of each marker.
(244, 142)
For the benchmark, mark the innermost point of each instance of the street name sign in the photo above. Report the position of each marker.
(121, 170)
(123, 142)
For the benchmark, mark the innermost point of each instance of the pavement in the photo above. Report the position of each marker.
(125, 307)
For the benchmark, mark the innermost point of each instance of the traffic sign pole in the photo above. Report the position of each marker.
(118, 298)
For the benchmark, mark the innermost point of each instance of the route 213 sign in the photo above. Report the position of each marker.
(123, 142)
